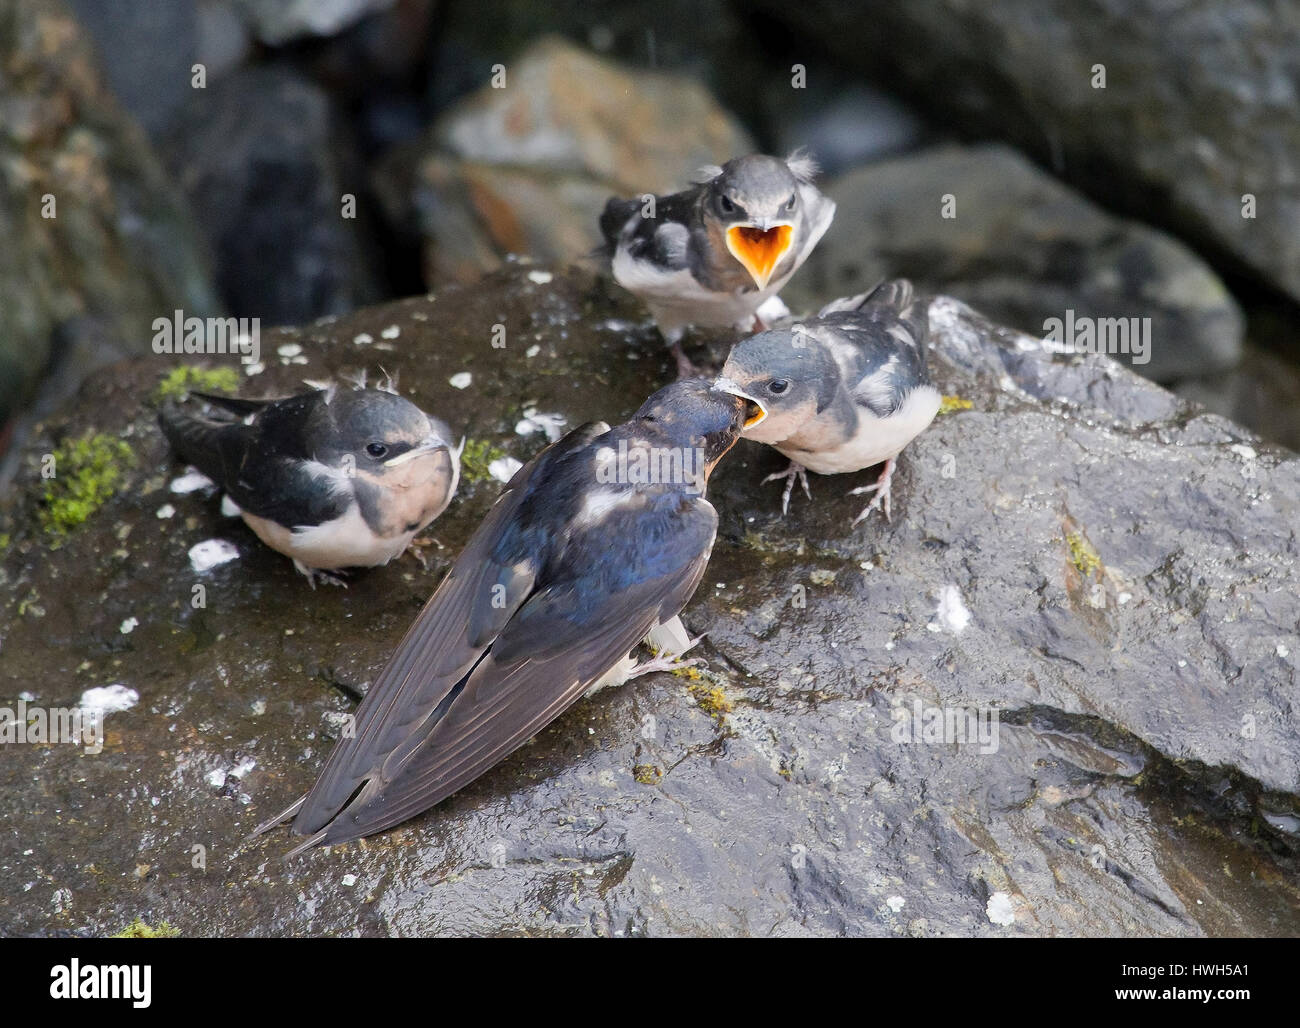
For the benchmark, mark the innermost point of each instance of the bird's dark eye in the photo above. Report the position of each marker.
(724, 202)
(789, 204)
(777, 386)
(376, 450)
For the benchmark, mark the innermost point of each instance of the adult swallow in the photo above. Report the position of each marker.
(842, 391)
(334, 478)
(596, 542)
(713, 254)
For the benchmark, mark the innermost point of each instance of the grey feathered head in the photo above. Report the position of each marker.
(758, 203)
(372, 429)
(787, 372)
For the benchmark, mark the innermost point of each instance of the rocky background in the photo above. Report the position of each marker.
(1110, 565)
(1114, 158)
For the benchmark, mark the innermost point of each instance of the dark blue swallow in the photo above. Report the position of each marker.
(843, 391)
(334, 478)
(593, 545)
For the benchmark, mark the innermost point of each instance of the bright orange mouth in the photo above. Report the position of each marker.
(759, 251)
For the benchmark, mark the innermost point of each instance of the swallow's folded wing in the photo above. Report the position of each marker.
(457, 711)
(457, 625)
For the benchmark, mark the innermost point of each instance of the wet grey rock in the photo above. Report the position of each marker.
(222, 39)
(1198, 107)
(521, 169)
(1024, 248)
(842, 124)
(120, 247)
(265, 164)
(146, 51)
(1127, 565)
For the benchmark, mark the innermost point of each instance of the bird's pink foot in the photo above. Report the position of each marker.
(670, 662)
(881, 487)
(794, 472)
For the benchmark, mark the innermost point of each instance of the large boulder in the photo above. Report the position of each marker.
(1197, 110)
(267, 164)
(983, 224)
(97, 241)
(524, 166)
(1109, 569)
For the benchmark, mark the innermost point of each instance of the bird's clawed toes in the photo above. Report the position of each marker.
(327, 577)
(790, 474)
(882, 489)
(668, 662)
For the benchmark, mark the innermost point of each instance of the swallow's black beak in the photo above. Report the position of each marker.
(754, 411)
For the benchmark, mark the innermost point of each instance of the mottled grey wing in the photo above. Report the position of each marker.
(461, 620)
(548, 655)
(886, 330)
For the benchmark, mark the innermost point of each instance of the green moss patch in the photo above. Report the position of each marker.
(475, 459)
(87, 472)
(1083, 555)
(178, 382)
(137, 929)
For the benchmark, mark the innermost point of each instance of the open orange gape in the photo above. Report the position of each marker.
(759, 250)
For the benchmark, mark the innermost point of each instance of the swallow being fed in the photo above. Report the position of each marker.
(595, 544)
(712, 255)
(843, 391)
(334, 478)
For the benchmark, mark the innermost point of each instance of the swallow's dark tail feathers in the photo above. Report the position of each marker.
(890, 294)
(235, 404)
(889, 301)
(195, 440)
(613, 219)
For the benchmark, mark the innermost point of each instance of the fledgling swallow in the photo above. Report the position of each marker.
(334, 478)
(587, 551)
(713, 254)
(842, 391)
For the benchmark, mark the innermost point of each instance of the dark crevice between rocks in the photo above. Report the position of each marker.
(1232, 802)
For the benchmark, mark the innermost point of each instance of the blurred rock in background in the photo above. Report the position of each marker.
(1198, 106)
(1024, 248)
(97, 239)
(527, 168)
(391, 101)
(266, 163)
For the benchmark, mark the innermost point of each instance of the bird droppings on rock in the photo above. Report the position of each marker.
(1000, 910)
(952, 614)
(211, 553)
(503, 468)
(110, 698)
(190, 482)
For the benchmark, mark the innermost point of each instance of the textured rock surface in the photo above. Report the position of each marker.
(526, 167)
(1198, 107)
(1127, 567)
(87, 275)
(1024, 248)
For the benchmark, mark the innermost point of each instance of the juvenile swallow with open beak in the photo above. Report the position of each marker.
(595, 544)
(712, 255)
(843, 391)
(334, 478)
